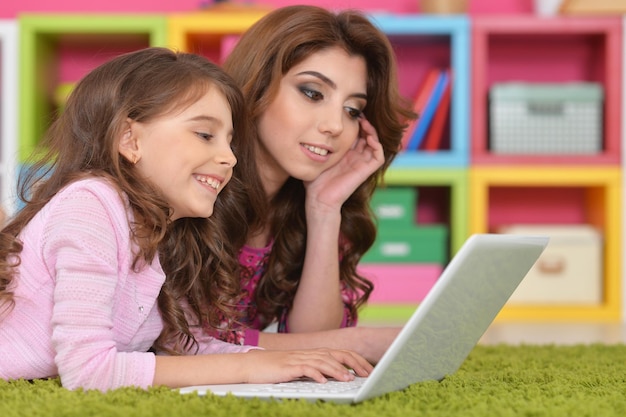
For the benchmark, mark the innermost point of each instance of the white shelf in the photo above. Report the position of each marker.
(8, 113)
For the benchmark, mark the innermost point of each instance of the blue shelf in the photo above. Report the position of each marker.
(457, 28)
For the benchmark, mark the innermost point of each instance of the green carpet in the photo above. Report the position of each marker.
(493, 381)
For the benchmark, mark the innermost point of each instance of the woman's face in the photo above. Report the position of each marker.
(313, 120)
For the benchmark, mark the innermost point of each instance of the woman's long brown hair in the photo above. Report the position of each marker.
(196, 254)
(264, 54)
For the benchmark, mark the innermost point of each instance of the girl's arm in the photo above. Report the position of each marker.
(212, 361)
(258, 366)
(100, 335)
(103, 318)
(318, 303)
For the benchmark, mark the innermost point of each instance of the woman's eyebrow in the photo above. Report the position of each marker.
(330, 82)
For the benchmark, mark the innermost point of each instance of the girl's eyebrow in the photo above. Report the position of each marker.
(206, 119)
(209, 119)
(203, 117)
(330, 82)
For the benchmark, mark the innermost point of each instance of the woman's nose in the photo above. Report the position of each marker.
(331, 122)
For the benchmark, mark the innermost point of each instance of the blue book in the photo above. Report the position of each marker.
(425, 119)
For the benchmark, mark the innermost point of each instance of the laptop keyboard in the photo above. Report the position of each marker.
(332, 386)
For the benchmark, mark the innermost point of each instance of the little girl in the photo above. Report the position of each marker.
(121, 200)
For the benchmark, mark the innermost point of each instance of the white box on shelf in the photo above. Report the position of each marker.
(569, 271)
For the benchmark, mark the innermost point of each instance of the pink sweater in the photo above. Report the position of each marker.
(81, 312)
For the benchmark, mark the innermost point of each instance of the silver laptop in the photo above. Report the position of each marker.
(438, 337)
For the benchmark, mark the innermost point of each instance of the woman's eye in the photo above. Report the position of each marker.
(354, 113)
(312, 94)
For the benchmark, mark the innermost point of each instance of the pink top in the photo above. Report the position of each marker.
(81, 312)
(253, 263)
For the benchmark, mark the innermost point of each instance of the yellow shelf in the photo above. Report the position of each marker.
(182, 28)
(603, 187)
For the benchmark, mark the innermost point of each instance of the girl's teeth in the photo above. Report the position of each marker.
(209, 181)
(316, 150)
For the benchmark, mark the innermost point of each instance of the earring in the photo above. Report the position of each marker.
(135, 159)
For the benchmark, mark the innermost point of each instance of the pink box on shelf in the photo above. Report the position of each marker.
(400, 283)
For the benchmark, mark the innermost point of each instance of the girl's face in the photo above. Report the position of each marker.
(186, 154)
(313, 120)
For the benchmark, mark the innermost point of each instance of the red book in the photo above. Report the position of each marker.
(435, 133)
(421, 99)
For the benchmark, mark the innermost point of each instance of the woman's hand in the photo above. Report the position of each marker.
(372, 342)
(369, 342)
(333, 187)
(267, 366)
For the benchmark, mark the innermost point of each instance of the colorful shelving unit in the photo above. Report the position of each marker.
(60, 49)
(464, 185)
(8, 112)
(543, 189)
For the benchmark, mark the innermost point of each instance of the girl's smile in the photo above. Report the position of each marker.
(188, 155)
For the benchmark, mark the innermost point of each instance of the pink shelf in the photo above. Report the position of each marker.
(536, 205)
(418, 55)
(79, 54)
(433, 205)
(560, 49)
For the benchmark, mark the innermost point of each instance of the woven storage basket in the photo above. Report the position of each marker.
(531, 118)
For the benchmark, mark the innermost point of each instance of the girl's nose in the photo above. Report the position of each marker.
(226, 156)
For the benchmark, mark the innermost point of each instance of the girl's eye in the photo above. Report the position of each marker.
(205, 136)
(354, 113)
(312, 94)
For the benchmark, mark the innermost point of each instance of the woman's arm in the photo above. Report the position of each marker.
(318, 304)
(369, 342)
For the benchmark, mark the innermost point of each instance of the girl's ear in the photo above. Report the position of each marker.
(128, 145)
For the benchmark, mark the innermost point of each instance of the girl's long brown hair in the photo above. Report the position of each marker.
(264, 54)
(196, 254)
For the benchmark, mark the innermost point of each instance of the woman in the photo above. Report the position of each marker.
(323, 93)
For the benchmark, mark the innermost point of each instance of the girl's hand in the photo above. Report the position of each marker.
(267, 366)
(333, 187)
